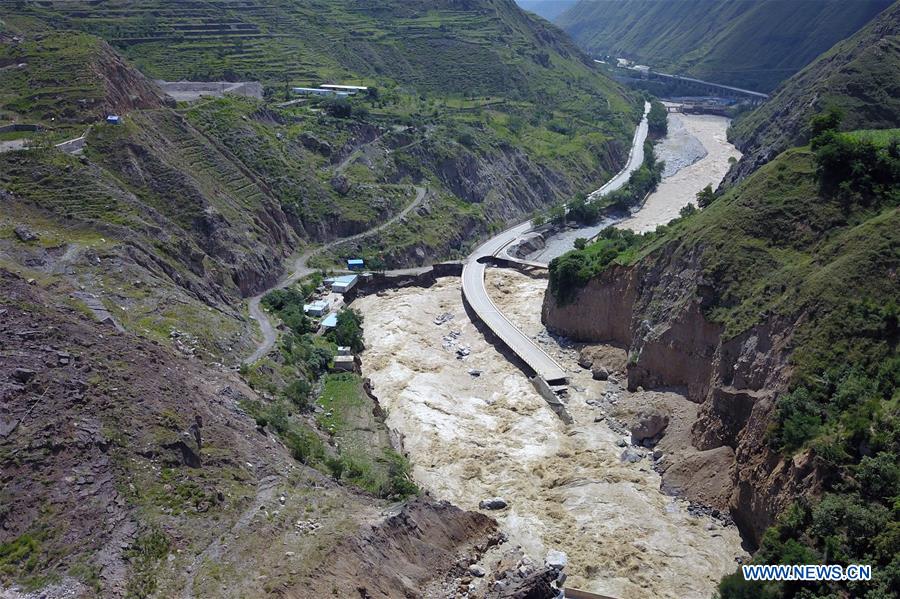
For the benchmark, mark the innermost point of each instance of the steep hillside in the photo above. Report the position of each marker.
(754, 44)
(775, 310)
(129, 471)
(69, 79)
(859, 76)
(452, 47)
(549, 9)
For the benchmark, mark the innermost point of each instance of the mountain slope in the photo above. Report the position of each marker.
(451, 46)
(860, 76)
(747, 43)
(775, 310)
(549, 9)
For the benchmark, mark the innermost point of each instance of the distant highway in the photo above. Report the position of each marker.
(476, 294)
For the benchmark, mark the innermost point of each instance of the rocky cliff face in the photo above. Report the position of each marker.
(655, 309)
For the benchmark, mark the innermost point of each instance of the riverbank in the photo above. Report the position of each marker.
(680, 188)
(696, 152)
(474, 428)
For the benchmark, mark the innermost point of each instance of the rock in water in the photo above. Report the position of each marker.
(496, 503)
(556, 559)
(630, 456)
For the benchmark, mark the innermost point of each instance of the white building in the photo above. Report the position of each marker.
(318, 91)
(317, 308)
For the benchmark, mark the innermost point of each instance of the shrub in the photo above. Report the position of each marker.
(348, 331)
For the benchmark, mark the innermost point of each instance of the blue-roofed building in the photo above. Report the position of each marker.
(113, 119)
(356, 264)
(330, 321)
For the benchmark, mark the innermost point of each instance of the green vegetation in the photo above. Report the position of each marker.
(348, 331)
(365, 457)
(658, 119)
(718, 40)
(858, 77)
(19, 556)
(572, 271)
(361, 453)
(144, 556)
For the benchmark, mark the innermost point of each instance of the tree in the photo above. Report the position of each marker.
(658, 119)
(829, 120)
(706, 196)
(339, 108)
(580, 243)
(348, 330)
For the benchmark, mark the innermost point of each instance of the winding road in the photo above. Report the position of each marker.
(301, 269)
(476, 294)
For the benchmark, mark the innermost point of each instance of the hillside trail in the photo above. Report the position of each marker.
(301, 269)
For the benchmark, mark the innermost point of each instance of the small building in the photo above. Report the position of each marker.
(356, 264)
(113, 119)
(343, 350)
(316, 308)
(330, 321)
(344, 364)
(318, 91)
(350, 89)
(643, 70)
(342, 284)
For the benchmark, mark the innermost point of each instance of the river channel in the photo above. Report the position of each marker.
(696, 152)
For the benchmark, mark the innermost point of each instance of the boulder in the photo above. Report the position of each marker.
(630, 456)
(23, 375)
(477, 571)
(495, 503)
(25, 234)
(600, 373)
(649, 424)
(585, 360)
(556, 559)
(340, 184)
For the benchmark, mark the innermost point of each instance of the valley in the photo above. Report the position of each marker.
(402, 298)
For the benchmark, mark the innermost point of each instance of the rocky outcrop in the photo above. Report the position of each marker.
(655, 309)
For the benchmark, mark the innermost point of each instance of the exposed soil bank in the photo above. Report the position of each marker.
(474, 437)
(680, 189)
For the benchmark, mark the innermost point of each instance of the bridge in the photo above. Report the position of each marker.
(550, 377)
(476, 295)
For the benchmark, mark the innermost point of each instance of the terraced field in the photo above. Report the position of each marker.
(437, 46)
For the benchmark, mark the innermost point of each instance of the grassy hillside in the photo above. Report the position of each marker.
(549, 9)
(859, 76)
(754, 44)
(67, 80)
(449, 47)
(806, 247)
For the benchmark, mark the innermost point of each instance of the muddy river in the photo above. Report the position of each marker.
(696, 152)
(474, 427)
(475, 437)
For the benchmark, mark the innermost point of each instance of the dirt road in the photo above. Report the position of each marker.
(301, 269)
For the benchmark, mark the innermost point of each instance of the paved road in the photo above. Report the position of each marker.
(301, 269)
(477, 296)
(635, 159)
(476, 293)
